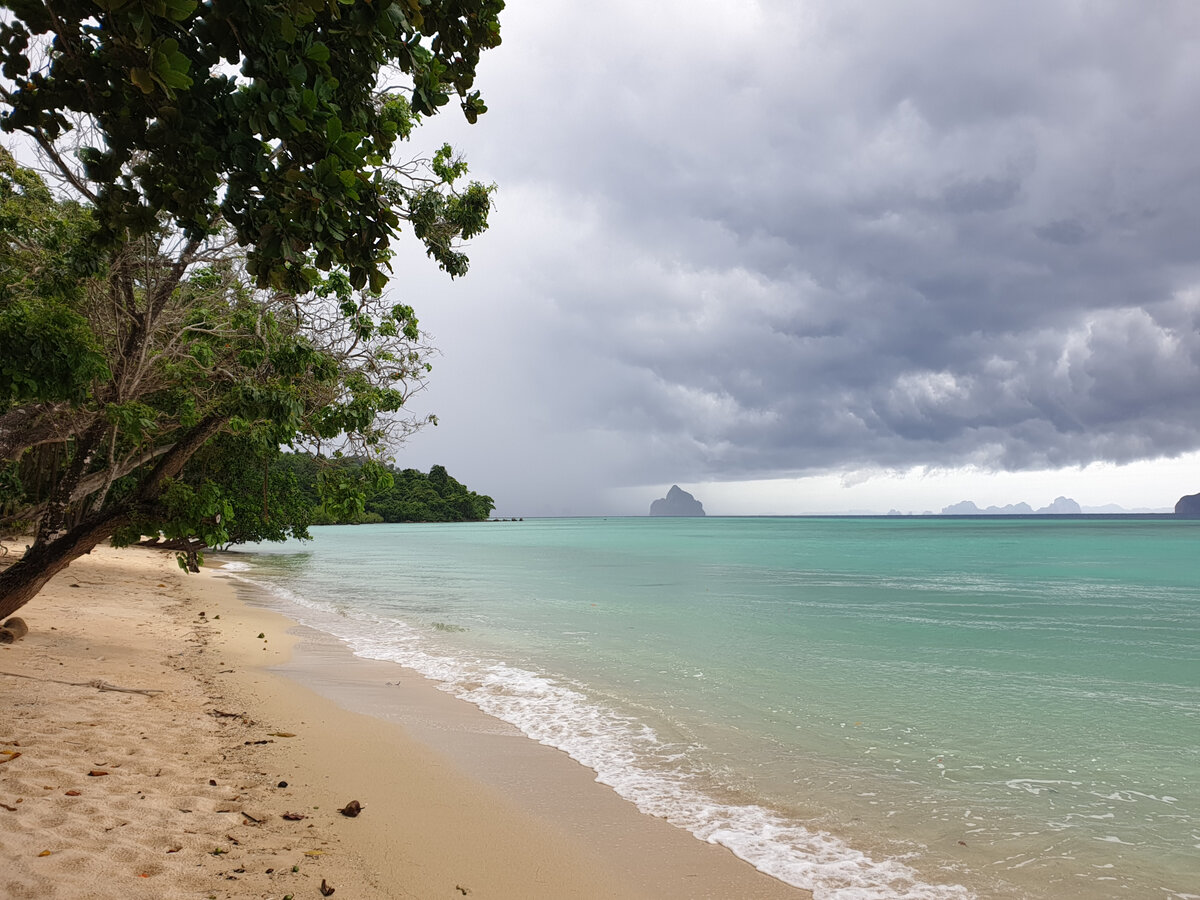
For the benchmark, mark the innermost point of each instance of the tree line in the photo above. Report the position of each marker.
(193, 266)
(393, 495)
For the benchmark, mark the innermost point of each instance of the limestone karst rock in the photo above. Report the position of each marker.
(1188, 506)
(678, 502)
(1062, 506)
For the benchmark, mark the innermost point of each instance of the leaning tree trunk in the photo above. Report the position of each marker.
(21, 581)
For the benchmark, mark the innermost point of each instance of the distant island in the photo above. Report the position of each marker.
(1062, 506)
(678, 502)
(1188, 506)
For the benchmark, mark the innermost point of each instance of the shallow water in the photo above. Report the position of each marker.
(916, 707)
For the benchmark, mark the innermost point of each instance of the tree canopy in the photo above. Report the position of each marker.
(201, 279)
(274, 120)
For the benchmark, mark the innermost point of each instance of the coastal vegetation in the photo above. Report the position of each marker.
(393, 495)
(193, 275)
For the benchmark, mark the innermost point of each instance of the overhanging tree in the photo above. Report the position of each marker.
(214, 259)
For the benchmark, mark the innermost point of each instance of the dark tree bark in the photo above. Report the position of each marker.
(21, 581)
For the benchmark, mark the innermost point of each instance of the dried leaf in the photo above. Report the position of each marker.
(313, 852)
(72, 793)
(294, 816)
(282, 734)
(96, 773)
(44, 853)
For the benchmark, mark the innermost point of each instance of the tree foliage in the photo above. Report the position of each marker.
(203, 280)
(271, 117)
(356, 491)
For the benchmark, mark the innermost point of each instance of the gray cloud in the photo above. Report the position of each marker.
(784, 238)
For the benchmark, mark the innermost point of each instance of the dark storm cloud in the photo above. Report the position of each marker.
(755, 239)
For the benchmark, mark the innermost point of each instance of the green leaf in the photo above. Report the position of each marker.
(178, 10)
(143, 79)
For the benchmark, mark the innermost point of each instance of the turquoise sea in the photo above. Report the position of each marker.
(866, 707)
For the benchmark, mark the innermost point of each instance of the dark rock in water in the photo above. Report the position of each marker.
(677, 503)
(1188, 507)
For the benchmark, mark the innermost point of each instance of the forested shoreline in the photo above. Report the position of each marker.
(412, 496)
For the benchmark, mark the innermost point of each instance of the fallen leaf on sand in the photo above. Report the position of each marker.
(44, 853)
(282, 734)
(9, 755)
(72, 793)
(9, 808)
(96, 773)
(313, 852)
(174, 849)
(294, 817)
(326, 889)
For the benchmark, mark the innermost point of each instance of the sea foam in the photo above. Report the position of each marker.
(627, 755)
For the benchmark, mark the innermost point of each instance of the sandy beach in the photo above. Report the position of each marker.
(161, 737)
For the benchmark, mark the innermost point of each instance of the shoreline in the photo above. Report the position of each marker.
(455, 803)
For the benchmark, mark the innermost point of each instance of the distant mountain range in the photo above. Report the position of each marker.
(1060, 506)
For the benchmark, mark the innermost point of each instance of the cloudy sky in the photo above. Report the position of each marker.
(824, 255)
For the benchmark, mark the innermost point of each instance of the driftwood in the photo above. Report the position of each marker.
(14, 629)
(95, 683)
